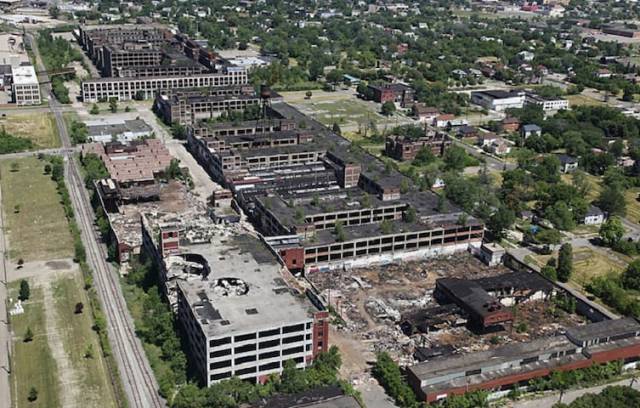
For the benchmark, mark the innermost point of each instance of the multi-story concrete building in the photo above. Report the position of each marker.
(124, 89)
(138, 61)
(547, 104)
(240, 317)
(516, 364)
(26, 89)
(297, 185)
(186, 106)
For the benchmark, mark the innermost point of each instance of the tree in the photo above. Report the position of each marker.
(630, 278)
(611, 231)
(338, 230)
(549, 237)
(94, 109)
(79, 308)
(549, 272)
(386, 227)
(612, 201)
(455, 158)
(388, 108)
(25, 291)
(627, 96)
(410, 215)
(178, 131)
(54, 12)
(47, 169)
(28, 335)
(16, 208)
(33, 394)
(565, 262)
(404, 186)
(15, 166)
(500, 220)
(336, 128)
(113, 105)
(308, 94)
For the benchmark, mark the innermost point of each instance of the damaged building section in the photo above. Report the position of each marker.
(231, 296)
(440, 306)
(321, 202)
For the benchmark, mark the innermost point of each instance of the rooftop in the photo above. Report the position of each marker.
(605, 328)
(454, 364)
(24, 75)
(116, 127)
(244, 290)
(499, 94)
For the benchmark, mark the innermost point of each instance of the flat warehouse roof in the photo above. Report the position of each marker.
(221, 310)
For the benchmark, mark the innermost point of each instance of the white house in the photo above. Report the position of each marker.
(594, 216)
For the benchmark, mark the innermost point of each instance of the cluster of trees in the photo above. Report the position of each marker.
(78, 132)
(13, 144)
(563, 269)
(94, 169)
(619, 291)
(56, 54)
(582, 377)
(580, 130)
(613, 396)
(235, 392)
(157, 327)
(388, 373)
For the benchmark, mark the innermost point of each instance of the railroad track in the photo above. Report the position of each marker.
(144, 393)
(135, 371)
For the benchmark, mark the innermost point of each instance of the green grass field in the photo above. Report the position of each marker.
(40, 128)
(78, 338)
(581, 100)
(633, 205)
(37, 229)
(595, 185)
(32, 362)
(588, 264)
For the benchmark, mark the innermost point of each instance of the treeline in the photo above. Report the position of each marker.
(619, 292)
(56, 169)
(13, 144)
(56, 54)
(613, 396)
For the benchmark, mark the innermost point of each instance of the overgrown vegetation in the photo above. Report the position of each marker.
(614, 396)
(80, 256)
(56, 54)
(13, 144)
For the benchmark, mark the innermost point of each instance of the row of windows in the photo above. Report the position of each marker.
(263, 334)
(262, 356)
(311, 257)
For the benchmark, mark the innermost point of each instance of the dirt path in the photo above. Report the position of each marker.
(68, 376)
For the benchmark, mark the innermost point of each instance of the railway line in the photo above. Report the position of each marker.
(135, 371)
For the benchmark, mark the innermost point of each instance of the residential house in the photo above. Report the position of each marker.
(568, 164)
(594, 216)
(530, 129)
(510, 124)
(425, 114)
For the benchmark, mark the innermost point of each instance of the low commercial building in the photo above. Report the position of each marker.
(516, 364)
(498, 100)
(547, 104)
(117, 130)
(240, 317)
(26, 89)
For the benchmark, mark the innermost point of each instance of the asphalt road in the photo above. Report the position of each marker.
(135, 371)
